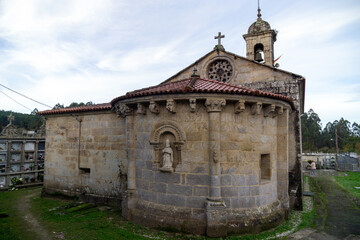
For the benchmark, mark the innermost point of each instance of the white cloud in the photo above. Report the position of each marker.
(90, 50)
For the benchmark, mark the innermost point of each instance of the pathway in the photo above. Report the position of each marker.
(339, 216)
(23, 206)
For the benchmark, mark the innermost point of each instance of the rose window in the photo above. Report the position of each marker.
(220, 70)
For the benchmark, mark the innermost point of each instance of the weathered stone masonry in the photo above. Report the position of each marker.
(231, 153)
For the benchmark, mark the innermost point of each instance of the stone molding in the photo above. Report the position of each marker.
(167, 126)
(268, 109)
(215, 104)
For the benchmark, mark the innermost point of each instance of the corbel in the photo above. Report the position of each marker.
(256, 108)
(240, 106)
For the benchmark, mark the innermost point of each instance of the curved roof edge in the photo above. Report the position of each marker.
(199, 85)
(89, 108)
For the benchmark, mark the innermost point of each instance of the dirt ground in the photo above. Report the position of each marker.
(23, 206)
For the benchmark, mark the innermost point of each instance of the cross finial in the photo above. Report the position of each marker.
(11, 118)
(259, 14)
(219, 37)
(195, 74)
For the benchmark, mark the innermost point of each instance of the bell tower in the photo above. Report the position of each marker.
(260, 41)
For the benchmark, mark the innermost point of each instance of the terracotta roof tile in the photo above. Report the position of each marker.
(95, 107)
(199, 85)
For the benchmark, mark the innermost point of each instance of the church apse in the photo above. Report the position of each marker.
(210, 153)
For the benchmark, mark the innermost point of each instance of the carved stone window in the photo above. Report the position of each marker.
(220, 70)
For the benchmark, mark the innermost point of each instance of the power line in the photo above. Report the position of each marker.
(15, 101)
(25, 96)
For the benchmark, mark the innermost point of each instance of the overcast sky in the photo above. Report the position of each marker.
(89, 50)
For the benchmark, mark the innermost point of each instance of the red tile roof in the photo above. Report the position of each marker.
(88, 108)
(199, 85)
(190, 85)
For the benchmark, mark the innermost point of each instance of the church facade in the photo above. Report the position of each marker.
(212, 150)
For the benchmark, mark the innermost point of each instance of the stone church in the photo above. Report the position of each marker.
(212, 150)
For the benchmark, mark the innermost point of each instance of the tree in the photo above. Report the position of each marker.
(355, 129)
(58, 106)
(311, 130)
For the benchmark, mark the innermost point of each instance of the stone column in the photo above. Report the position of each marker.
(130, 198)
(214, 205)
(131, 151)
(283, 158)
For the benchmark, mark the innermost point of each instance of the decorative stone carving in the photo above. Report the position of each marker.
(141, 109)
(215, 104)
(171, 105)
(154, 107)
(280, 110)
(256, 108)
(192, 102)
(240, 107)
(123, 110)
(215, 157)
(220, 70)
(269, 111)
(170, 129)
(10, 130)
(167, 158)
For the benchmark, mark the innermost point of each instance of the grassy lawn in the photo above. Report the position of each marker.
(61, 218)
(13, 227)
(350, 182)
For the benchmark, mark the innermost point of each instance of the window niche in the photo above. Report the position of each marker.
(265, 167)
(167, 139)
(85, 171)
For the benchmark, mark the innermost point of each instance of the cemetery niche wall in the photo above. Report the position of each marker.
(22, 156)
(213, 153)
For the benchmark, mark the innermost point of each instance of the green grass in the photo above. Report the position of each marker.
(13, 227)
(350, 182)
(81, 222)
(86, 222)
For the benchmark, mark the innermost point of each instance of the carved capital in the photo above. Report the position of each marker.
(141, 109)
(215, 104)
(171, 105)
(122, 110)
(280, 110)
(256, 108)
(154, 107)
(192, 102)
(269, 111)
(240, 106)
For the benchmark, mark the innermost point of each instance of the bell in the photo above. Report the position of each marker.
(258, 57)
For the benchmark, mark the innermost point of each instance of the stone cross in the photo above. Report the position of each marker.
(11, 118)
(219, 37)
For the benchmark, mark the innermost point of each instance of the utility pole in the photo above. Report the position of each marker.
(337, 149)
